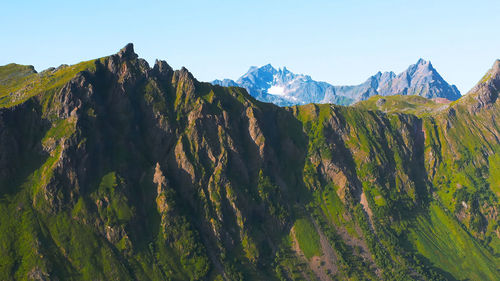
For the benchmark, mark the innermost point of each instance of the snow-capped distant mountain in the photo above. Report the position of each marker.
(280, 86)
(284, 88)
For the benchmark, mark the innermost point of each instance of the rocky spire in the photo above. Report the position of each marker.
(127, 52)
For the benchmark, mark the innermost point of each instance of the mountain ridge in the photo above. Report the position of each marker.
(115, 170)
(272, 85)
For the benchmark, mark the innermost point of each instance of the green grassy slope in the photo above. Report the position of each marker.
(415, 105)
(19, 83)
(441, 239)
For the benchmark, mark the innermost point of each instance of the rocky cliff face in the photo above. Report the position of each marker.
(285, 88)
(112, 169)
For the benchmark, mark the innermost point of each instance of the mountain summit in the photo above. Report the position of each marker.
(419, 79)
(282, 87)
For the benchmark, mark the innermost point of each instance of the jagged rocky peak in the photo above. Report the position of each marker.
(420, 79)
(127, 52)
(425, 66)
(268, 67)
(423, 62)
(259, 74)
(161, 67)
(185, 73)
(422, 66)
(114, 62)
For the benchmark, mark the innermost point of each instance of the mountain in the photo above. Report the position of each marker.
(111, 169)
(285, 88)
(282, 87)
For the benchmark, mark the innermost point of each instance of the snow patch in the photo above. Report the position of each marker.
(276, 90)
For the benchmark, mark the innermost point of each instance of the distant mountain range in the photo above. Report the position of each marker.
(283, 87)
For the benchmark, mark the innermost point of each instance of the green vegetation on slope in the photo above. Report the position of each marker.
(439, 238)
(308, 238)
(412, 104)
(12, 75)
(16, 88)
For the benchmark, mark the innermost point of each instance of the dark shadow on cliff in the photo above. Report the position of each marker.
(22, 129)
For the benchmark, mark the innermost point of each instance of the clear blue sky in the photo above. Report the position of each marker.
(341, 42)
